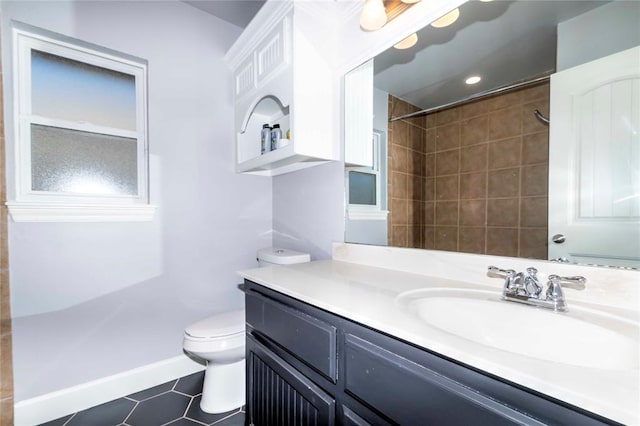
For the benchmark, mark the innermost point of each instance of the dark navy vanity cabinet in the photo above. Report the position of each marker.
(306, 366)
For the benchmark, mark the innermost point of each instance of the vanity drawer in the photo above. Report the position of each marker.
(308, 339)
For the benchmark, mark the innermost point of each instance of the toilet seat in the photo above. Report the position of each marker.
(225, 324)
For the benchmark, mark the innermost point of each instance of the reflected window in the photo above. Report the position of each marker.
(364, 186)
(81, 123)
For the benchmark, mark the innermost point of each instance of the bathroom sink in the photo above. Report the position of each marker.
(581, 337)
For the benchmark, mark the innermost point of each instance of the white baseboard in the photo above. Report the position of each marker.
(67, 401)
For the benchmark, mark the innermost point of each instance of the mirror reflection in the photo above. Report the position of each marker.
(448, 165)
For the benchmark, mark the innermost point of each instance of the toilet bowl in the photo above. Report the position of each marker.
(220, 341)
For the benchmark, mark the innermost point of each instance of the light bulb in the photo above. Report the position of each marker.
(447, 19)
(373, 16)
(407, 42)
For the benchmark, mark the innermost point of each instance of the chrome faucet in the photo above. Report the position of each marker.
(524, 287)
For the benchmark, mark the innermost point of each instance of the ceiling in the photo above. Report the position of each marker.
(502, 41)
(237, 12)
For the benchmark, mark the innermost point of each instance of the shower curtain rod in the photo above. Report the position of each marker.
(474, 97)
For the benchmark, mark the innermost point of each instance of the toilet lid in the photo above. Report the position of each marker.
(223, 324)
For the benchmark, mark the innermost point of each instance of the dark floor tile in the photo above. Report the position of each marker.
(235, 420)
(184, 422)
(191, 384)
(108, 414)
(159, 410)
(57, 422)
(154, 391)
(196, 413)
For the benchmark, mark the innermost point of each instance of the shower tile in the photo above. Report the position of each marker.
(447, 188)
(6, 373)
(429, 213)
(535, 148)
(414, 213)
(447, 116)
(430, 165)
(447, 162)
(473, 212)
(446, 213)
(475, 130)
(401, 133)
(502, 212)
(446, 238)
(430, 121)
(448, 137)
(504, 101)
(505, 123)
(502, 241)
(472, 240)
(533, 243)
(415, 188)
(416, 164)
(399, 211)
(398, 158)
(417, 141)
(473, 158)
(504, 183)
(505, 153)
(535, 92)
(533, 212)
(535, 180)
(429, 189)
(398, 185)
(414, 237)
(473, 185)
(6, 411)
(399, 235)
(474, 109)
(430, 140)
(428, 237)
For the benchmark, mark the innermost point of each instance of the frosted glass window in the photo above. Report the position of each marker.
(362, 188)
(65, 89)
(71, 161)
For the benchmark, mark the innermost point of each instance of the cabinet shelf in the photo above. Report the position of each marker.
(280, 161)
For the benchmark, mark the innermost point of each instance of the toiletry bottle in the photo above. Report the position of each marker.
(276, 135)
(265, 139)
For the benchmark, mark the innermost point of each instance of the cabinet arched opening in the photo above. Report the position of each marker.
(266, 110)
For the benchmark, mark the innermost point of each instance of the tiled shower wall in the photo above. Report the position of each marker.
(6, 375)
(484, 184)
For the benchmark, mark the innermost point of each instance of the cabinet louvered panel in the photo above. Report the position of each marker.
(245, 78)
(280, 395)
(272, 53)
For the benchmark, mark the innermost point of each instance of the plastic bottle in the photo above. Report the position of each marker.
(276, 135)
(265, 139)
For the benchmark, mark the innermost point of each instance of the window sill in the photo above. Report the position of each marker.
(358, 214)
(38, 212)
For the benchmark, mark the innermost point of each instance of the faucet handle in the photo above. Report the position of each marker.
(507, 273)
(554, 291)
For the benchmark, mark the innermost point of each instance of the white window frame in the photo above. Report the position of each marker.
(30, 205)
(365, 211)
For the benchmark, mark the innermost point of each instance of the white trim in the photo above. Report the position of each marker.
(366, 214)
(60, 403)
(39, 212)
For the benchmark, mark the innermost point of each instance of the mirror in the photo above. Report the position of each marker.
(440, 164)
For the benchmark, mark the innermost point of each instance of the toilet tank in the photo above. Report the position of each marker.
(277, 256)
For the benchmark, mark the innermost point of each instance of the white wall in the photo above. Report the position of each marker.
(91, 300)
(600, 32)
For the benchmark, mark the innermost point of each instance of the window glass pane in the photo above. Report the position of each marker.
(65, 89)
(80, 162)
(362, 188)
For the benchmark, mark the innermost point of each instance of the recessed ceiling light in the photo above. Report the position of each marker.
(447, 19)
(407, 42)
(473, 79)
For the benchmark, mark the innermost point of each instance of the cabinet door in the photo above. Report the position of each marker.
(278, 394)
(272, 55)
(245, 78)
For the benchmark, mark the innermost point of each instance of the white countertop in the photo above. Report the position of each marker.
(367, 295)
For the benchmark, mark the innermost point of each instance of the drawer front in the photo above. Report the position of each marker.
(411, 394)
(309, 339)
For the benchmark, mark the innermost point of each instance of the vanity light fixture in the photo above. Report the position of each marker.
(414, 1)
(373, 16)
(473, 79)
(407, 42)
(447, 19)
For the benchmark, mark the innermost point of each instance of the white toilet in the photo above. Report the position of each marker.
(220, 341)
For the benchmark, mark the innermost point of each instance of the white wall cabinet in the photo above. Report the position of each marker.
(280, 77)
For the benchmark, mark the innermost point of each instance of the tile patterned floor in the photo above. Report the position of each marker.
(175, 403)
